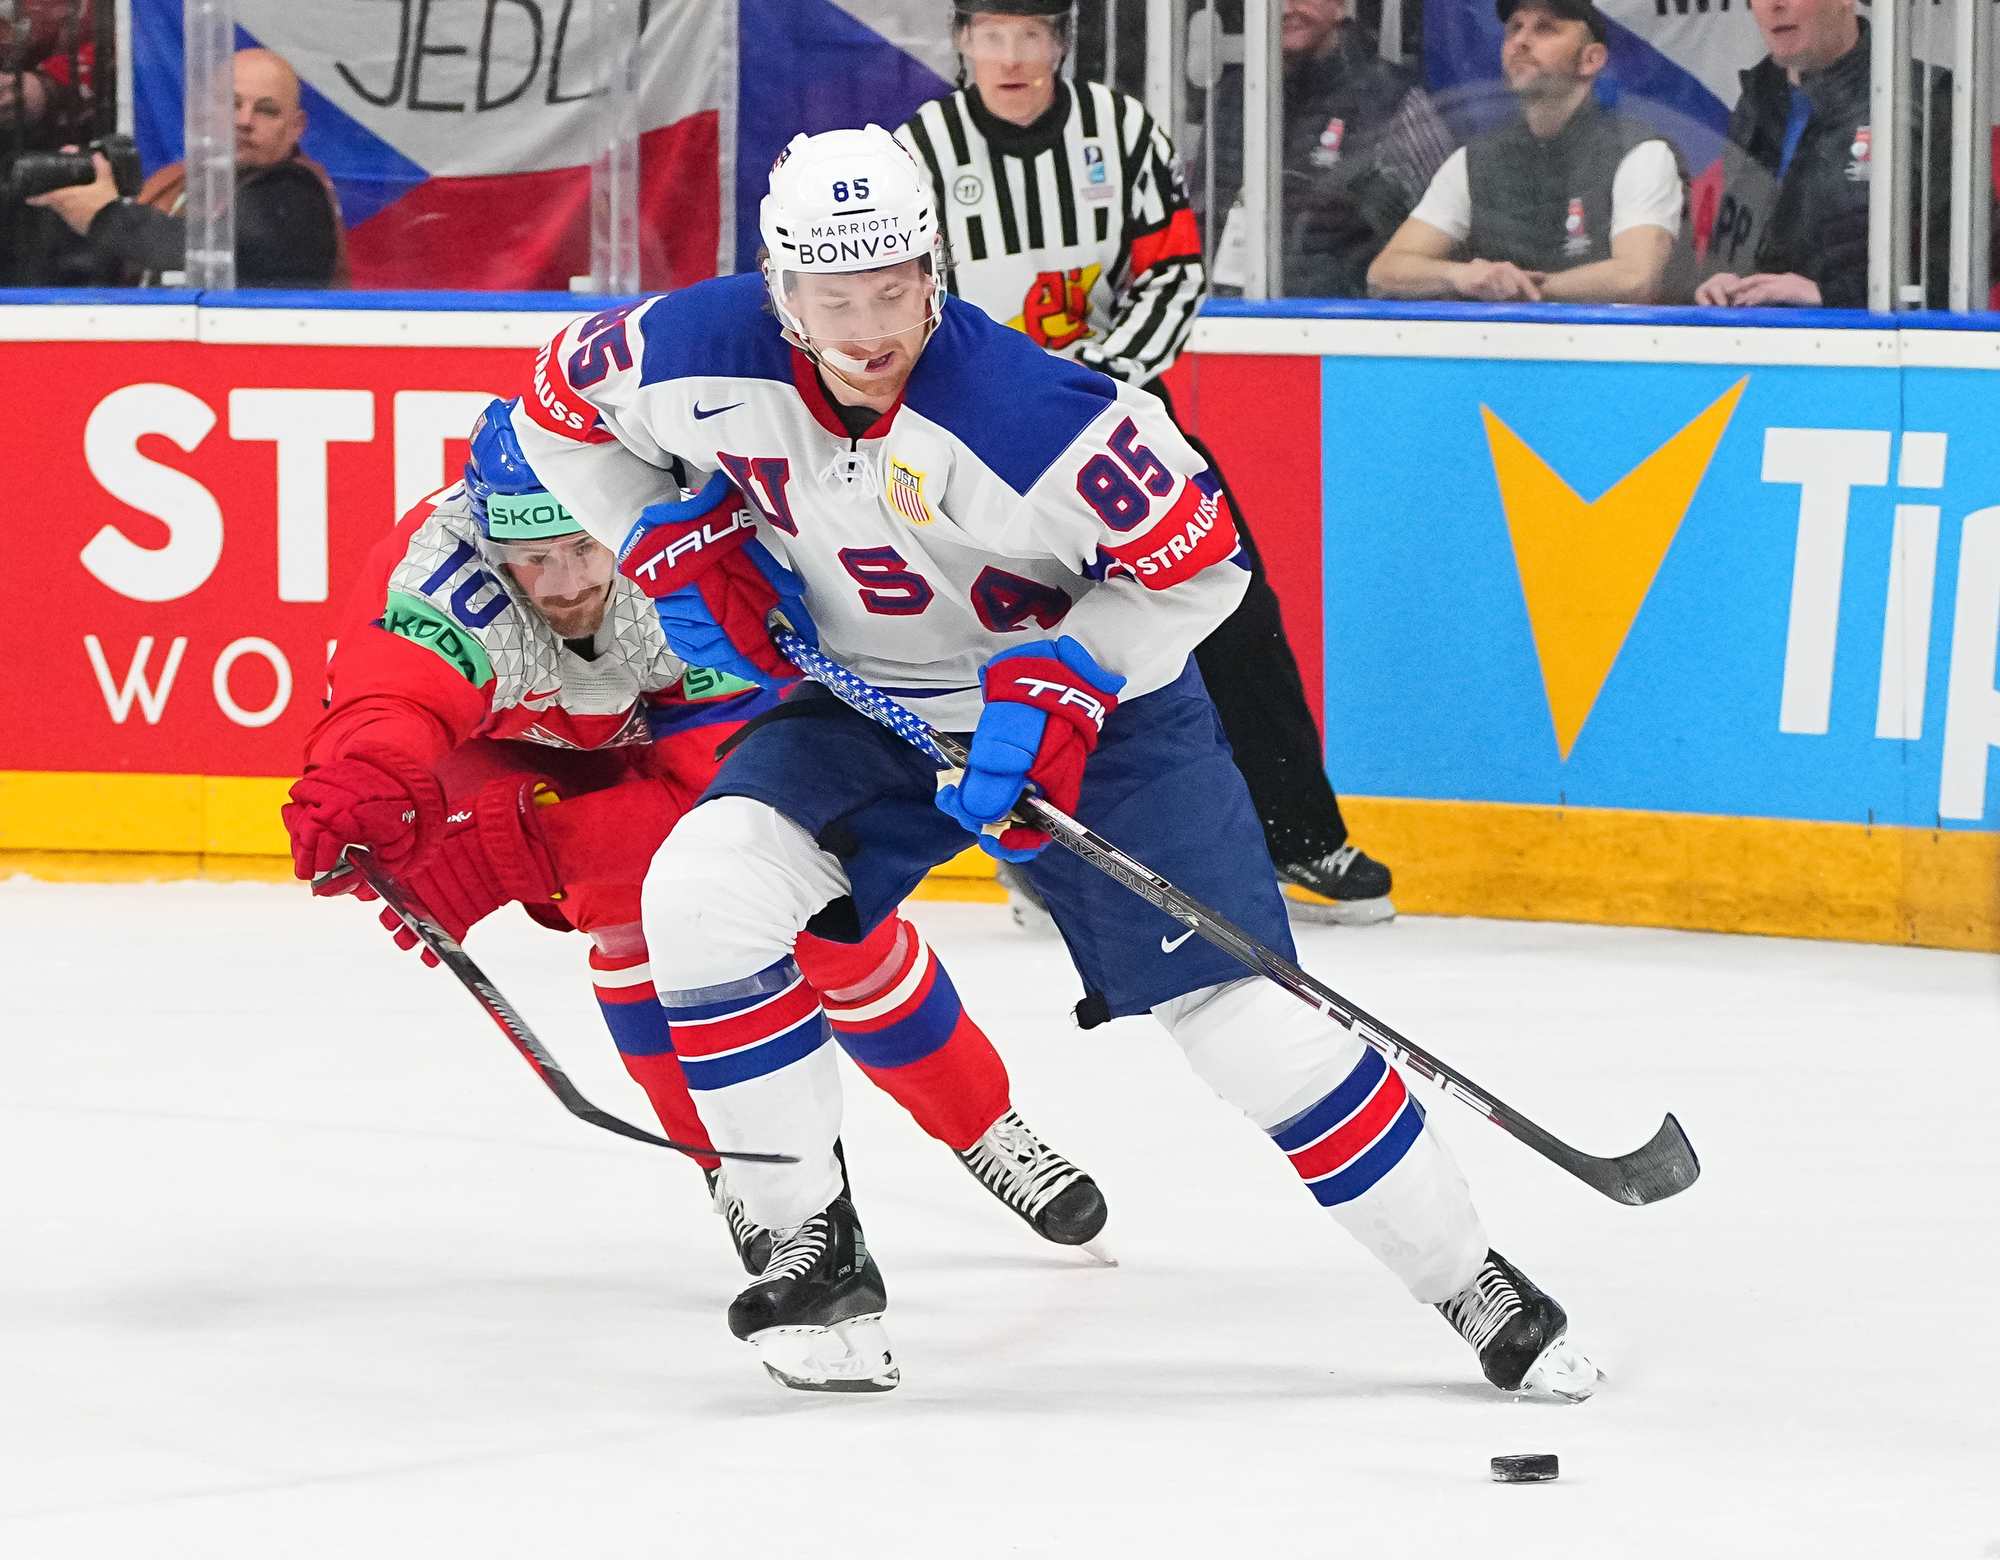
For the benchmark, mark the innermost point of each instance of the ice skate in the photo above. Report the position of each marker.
(1343, 888)
(1023, 903)
(751, 1240)
(815, 1316)
(1058, 1201)
(1519, 1333)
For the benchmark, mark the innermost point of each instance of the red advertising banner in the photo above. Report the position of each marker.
(202, 510)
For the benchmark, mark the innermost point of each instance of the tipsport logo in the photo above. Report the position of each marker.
(1587, 566)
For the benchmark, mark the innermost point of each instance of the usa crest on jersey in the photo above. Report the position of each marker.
(906, 493)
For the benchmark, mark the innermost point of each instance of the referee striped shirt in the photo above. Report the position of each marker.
(1075, 229)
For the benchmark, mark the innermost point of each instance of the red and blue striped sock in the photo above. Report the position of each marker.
(1351, 1137)
(623, 985)
(895, 1011)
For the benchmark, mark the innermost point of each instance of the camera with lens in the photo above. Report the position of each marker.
(36, 173)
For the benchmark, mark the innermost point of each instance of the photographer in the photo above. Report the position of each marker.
(288, 231)
(48, 54)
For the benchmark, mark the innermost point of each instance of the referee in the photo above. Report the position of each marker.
(1065, 217)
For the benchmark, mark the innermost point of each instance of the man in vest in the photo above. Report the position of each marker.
(288, 231)
(1570, 203)
(1362, 142)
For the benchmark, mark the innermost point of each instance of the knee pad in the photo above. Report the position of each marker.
(1260, 1048)
(730, 891)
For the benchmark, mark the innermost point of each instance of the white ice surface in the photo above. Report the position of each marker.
(298, 1259)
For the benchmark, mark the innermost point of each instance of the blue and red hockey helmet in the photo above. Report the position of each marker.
(507, 497)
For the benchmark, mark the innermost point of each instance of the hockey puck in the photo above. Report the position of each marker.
(1525, 1468)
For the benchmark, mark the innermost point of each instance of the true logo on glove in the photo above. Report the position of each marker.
(1076, 698)
(649, 573)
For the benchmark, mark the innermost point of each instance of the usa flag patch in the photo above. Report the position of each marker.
(906, 493)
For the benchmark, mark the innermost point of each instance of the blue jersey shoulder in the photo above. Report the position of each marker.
(1013, 405)
(717, 329)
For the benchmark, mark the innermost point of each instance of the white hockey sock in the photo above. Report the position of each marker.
(723, 903)
(1342, 1116)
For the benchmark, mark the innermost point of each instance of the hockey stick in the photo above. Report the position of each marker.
(1663, 1166)
(512, 1025)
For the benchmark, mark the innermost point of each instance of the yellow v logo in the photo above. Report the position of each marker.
(1586, 567)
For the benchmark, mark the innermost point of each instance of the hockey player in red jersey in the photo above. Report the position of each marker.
(507, 724)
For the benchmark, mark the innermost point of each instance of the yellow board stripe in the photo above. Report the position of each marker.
(1778, 876)
(1938, 888)
(225, 815)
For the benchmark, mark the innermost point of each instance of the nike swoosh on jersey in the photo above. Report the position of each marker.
(702, 413)
(1169, 947)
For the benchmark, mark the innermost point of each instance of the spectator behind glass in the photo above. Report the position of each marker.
(1794, 212)
(1361, 143)
(45, 56)
(46, 60)
(1570, 203)
(288, 231)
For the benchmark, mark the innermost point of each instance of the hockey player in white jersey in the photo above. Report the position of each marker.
(1022, 549)
(1065, 216)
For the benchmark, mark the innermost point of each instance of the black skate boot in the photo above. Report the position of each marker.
(1345, 888)
(1059, 1202)
(752, 1241)
(1519, 1333)
(815, 1316)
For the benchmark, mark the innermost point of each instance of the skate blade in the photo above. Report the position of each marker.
(849, 1356)
(1317, 910)
(1562, 1370)
(1098, 1251)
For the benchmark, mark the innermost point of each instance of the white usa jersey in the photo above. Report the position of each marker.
(1008, 497)
(1075, 230)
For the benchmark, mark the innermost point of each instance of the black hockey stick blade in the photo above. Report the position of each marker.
(512, 1025)
(1664, 1166)
(1660, 1168)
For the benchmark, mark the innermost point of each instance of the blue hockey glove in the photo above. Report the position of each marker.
(1046, 704)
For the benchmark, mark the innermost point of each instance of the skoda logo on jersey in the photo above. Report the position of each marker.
(968, 189)
(1096, 175)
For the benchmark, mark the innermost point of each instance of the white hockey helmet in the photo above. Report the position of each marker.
(844, 201)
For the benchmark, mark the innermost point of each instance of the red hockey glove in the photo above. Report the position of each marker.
(491, 852)
(373, 796)
(714, 585)
(1046, 704)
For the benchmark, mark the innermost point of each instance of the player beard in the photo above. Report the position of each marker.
(579, 619)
